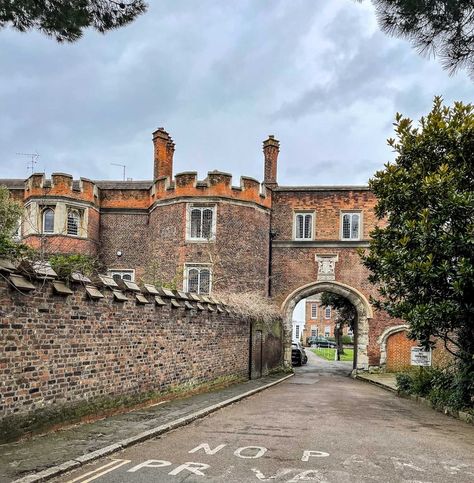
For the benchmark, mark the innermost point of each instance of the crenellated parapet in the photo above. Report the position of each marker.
(216, 185)
(61, 185)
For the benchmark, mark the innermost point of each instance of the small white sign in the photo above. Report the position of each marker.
(420, 357)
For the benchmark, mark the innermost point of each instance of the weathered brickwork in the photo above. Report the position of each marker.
(143, 226)
(60, 350)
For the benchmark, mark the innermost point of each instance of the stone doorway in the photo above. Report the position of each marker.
(360, 302)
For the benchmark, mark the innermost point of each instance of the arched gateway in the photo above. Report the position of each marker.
(360, 302)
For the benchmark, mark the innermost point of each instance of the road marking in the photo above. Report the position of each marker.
(191, 467)
(207, 449)
(117, 464)
(314, 454)
(260, 452)
(150, 464)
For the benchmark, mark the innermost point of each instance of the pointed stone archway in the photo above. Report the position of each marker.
(360, 302)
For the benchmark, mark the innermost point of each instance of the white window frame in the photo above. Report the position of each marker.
(327, 331)
(350, 213)
(297, 332)
(190, 208)
(199, 266)
(80, 215)
(313, 311)
(314, 331)
(327, 312)
(44, 209)
(122, 271)
(295, 225)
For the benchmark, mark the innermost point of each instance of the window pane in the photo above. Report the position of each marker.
(314, 311)
(117, 276)
(207, 224)
(193, 280)
(204, 281)
(196, 223)
(346, 226)
(307, 226)
(299, 226)
(355, 226)
(48, 221)
(328, 313)
(72, 223)
(127, 276)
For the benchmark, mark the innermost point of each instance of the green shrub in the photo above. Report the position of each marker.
(347, 339)
(404, 383)
(66, 265)
(442, 387)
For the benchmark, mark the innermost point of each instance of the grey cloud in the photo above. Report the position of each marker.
(220, 77)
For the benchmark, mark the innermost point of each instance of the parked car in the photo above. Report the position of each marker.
(320, 342)
(298, 354)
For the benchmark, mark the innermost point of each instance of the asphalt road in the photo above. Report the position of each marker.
(318, 426)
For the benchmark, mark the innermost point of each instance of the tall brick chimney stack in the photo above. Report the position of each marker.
(271, 148)
(164, 150)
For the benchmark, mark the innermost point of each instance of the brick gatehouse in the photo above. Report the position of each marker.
(286, 242)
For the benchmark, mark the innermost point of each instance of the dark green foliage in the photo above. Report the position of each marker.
(10, 214)
(423, 259)
(346, 312)
(66, 19)
(442, 28)
(66, 265)
(12, 250)
(444, 388)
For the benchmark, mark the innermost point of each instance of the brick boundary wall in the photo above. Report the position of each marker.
(64, 350)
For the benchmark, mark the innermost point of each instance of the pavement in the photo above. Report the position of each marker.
(385, 380)
(74, 446)
(319, 425)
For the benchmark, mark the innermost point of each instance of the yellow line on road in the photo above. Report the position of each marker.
(117, 464)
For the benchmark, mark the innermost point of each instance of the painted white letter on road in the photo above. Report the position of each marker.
(260, 452)
(207, 449)
(315, 454)
(191, 467)
(150, 464)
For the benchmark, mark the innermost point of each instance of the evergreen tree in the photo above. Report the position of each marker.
(442, 28)
(421, 256)
(66, 19)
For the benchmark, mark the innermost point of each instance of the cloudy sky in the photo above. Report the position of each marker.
(219, 76)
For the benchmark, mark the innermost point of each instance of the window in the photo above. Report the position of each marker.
(350, 226)
(327, 331)
(201, 223)
(297, 332)
(122, 275)
(73, 222)
(314, 311)
(303, 226)
(17, 232)
(48, 220)
(327, 313)
(197, 279)
(314, 331)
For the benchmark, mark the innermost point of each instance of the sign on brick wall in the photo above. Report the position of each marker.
(420, 357)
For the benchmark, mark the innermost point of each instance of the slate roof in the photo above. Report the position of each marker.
(123, 185)
(14, 184)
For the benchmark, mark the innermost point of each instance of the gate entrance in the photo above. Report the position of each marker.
(358, 300)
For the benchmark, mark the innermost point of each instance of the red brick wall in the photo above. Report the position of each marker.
(295, 265)
(399, 352)
(57, 350)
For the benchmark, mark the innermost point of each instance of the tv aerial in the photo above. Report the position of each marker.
(32, 162)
